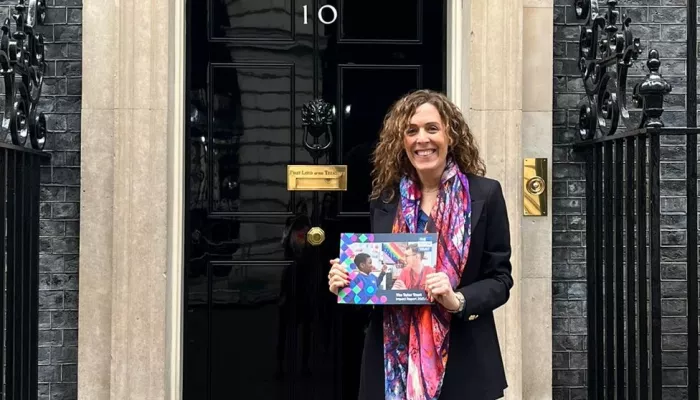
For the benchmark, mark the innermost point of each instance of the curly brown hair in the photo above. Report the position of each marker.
(390, 159)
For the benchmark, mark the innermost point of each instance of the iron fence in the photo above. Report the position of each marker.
(19, 242)
(22, 67)
(623, 207)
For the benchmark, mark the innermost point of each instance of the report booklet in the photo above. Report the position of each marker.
(387, 268)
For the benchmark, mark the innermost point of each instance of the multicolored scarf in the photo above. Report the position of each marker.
(416, 338)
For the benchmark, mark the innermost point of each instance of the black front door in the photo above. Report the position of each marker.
(259, 320)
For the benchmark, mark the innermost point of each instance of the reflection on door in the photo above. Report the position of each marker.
(260, 322)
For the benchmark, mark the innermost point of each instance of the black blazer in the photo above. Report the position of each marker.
(474, 368)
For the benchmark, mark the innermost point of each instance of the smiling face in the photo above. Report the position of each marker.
(364, 263)
(366, 267)
(413, 259)
(426, 142)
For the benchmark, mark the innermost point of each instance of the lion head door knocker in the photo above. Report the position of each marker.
(317, 118)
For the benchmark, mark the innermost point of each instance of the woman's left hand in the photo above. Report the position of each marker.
(438, 287)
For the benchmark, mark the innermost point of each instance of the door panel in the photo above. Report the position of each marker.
(254, 20)
(362, 117)
(250, 171)
(244, 340)
(260, 323)
(374, 17)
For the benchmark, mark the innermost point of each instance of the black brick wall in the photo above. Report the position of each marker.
(659, 24)
(60, 195)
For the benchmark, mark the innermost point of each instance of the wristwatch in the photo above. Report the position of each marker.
(460, 298)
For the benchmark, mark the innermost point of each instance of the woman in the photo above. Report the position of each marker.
(428, 177)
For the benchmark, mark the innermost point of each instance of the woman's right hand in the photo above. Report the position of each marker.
(337, 277)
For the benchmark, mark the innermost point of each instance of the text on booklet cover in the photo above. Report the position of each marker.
(387, 268)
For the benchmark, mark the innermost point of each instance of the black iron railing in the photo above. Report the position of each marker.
(623, 209)
(22, 67)
(19, 241)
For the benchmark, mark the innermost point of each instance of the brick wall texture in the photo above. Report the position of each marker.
(660, 24)
(60, 195)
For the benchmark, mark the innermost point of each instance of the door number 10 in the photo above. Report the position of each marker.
(320, 14)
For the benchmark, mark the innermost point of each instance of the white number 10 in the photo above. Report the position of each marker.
(320, 14)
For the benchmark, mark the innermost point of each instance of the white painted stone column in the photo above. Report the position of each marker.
(505, 91)
(494, 112)
(536, 257)
(129, 237)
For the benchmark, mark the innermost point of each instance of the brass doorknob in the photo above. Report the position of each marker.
(315, 236)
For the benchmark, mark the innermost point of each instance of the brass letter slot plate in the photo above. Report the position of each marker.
(535, 186)
(317, 177)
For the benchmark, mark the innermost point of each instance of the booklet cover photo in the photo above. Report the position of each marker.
(387, 268)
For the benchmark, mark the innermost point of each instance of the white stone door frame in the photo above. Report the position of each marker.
(132, 201)
(175, 299)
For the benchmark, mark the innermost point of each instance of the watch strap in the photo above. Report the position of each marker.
(460, 308)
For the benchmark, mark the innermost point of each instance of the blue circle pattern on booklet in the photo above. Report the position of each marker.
(355, 293)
